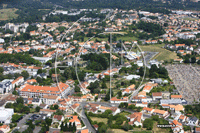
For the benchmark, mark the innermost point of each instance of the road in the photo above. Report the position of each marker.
(135, 93)
(86, 121)
(22, 122)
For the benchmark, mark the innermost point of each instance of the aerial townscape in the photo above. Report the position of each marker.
(100, 66)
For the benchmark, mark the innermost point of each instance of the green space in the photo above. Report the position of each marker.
(190, 19)
(163, 54)
(104, 120)
(8, 14)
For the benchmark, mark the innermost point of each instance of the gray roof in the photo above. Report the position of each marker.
(171, 101)
(193, 118)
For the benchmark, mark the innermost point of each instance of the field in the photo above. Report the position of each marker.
(135, 130)
(8, 14)
(163, 54)
(104, 120)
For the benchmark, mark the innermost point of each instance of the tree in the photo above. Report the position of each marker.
(25, 74)
(141, 71)
(148, 123)
(187, 60)
(74, 127)
(48, 121)
(16, 117)
(20, 100)
(103, 85)
(193, 59)
(77, 89)
(56, 106)
(198, 62)
(1, 69)
(37, 109)
(127, 127)
(39, 71)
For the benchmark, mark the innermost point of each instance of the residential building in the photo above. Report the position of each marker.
(6, 86)
(50, 99)
(6, 115)
(157, 95)
(39, 91)
(135, 119)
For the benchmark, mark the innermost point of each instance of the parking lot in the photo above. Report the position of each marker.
(26, 118)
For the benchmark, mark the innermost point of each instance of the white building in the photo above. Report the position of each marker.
(6, 115)
(49, 100)
(42, 59)
(6, 86)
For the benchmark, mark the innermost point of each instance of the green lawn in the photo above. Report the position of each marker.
(163, 54)
(127, 38)
(104, 120)
(8, 14)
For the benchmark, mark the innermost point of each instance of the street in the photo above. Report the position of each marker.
(86, 121)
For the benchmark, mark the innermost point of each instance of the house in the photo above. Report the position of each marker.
(58, 118)
(75, 107)
(141, 104)
(42, 75)
(114, 110)
(182, 118)
(142, 94)
(176, 96)
(115, 100)
(161, 113)
(147, 110)
(135, 119)
(49, 100)
(147, 88)
(6, 86)
(174, 108)
(197, 130)
(193, 121)
(84, 131)
(55, 77)
(18, 81)
(157, 95)
(6, 115)
(5, 128)
(177, 128)
(179, 45)
(96, 127)
(136, 99)
(165, 95)
(76, 120)
(129, 90)
(47, 111)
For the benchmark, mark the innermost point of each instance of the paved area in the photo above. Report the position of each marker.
(86, 121)
(186, 80)
(22, 123)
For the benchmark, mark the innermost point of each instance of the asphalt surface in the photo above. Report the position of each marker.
(86, 121)
(149, 56)
(22, 122)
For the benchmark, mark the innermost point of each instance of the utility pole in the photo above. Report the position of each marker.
(121, 54)
(110, 63)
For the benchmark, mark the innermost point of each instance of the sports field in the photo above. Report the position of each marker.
(163, 54)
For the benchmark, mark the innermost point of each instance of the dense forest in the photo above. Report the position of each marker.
(18, 58)
(128, 4)
(97, 61)
(32, 10)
